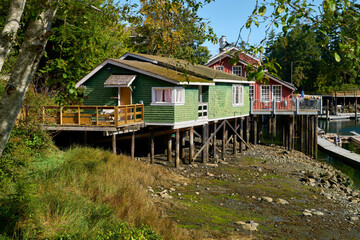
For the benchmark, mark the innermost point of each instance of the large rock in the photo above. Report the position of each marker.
(282, 201)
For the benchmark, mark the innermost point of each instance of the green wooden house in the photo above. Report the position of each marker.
(174, 92)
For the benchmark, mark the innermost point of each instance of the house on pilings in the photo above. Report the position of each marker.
(174, 93)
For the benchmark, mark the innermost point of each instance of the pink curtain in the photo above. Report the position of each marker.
(158, 95)
(167, 95)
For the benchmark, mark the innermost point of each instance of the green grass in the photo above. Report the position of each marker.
(86, 193)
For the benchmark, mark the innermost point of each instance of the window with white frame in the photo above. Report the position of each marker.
(277, 93)
(168, 96)
(219, 67)
(252, 92)
(237, 70)
(238, 95)
(265, 93)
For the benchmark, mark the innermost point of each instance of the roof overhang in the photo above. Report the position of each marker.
(286, 84)
(119, 80)
(232, 81)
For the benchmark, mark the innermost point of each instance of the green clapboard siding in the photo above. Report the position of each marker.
(142, 91)
(188, 111)
(96, 93)
(220, 102)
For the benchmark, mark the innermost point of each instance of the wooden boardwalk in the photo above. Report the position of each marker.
(350, 157)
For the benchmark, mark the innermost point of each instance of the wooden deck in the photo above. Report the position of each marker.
(346, 155)
(88, 118)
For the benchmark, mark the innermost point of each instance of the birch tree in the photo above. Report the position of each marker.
(31, 51)
(10, 29)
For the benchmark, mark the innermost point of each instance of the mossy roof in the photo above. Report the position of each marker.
(168, 73)
(193, 69)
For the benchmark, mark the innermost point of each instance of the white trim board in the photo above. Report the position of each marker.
(123, 57)
(233, 81)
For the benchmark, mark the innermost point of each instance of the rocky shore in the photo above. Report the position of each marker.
(266, 192)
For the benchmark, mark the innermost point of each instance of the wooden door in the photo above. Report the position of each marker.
(125, 96)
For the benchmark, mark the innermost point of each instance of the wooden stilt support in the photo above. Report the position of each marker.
(270, 129)
(235, 137)
(177, 148)
(182, 146)
(290, 137)
(207, 145)
(255, 132)
(260, 128)
(316, 135)
(133, 145)
(247, 119)
(169, 148)
(191, 150)
(203, 142)
(214, 142)
(356, 113)
(114, 143)
(284, 132)
(223, 143)
(327, 110)
(302, 133)
(241, 144)
(273, 127)
(152, 147)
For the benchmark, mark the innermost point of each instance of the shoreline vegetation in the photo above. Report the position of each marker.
(266, 192)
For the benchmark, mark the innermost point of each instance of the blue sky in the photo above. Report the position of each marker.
(226, 18)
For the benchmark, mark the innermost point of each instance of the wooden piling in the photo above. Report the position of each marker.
(191, 142)
(291, 132)
(182, 145)
(235, 137)
(247, 131)
(255, 132)
(214, 141)
(177, 148)
(241, 144)
(223, 143)
(327, 109)
(273, 127)
(205, 134)
(356, 114)
(169, 148)
(316, 135)
(132, 145)
(302, 133)
(114, 143)
(260, 128)
(152, 147)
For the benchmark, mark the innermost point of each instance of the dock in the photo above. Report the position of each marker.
(346, 155)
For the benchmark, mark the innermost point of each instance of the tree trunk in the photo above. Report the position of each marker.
(10, 29)
(26, 64)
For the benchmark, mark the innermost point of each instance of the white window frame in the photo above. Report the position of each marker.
(237, 95)
(252, 92)
(262, 97)
(276, 98)
(237, 70)
(219, 68)
(175, 91)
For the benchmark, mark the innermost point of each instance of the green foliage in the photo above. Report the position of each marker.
(173, 28)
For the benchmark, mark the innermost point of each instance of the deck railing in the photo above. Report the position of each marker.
(89, 115)
(286, 105)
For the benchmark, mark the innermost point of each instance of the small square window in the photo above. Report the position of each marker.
(219, 68)
(237, 70)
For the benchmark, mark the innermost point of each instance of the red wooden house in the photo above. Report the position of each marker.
(262, 96)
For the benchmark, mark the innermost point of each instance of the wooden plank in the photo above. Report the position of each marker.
(241, 146)
(114, 143)
(235, 137)
(152, 147)
(214, 142)
(237, 134)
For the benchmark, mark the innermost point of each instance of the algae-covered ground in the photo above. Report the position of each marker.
(222, 199)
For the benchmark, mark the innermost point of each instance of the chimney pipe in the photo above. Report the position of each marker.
(223, 43)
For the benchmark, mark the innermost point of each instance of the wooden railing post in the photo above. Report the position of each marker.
(116, 116)
(97, 116)
(126, 109)
(61, 115)
(79, 116)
